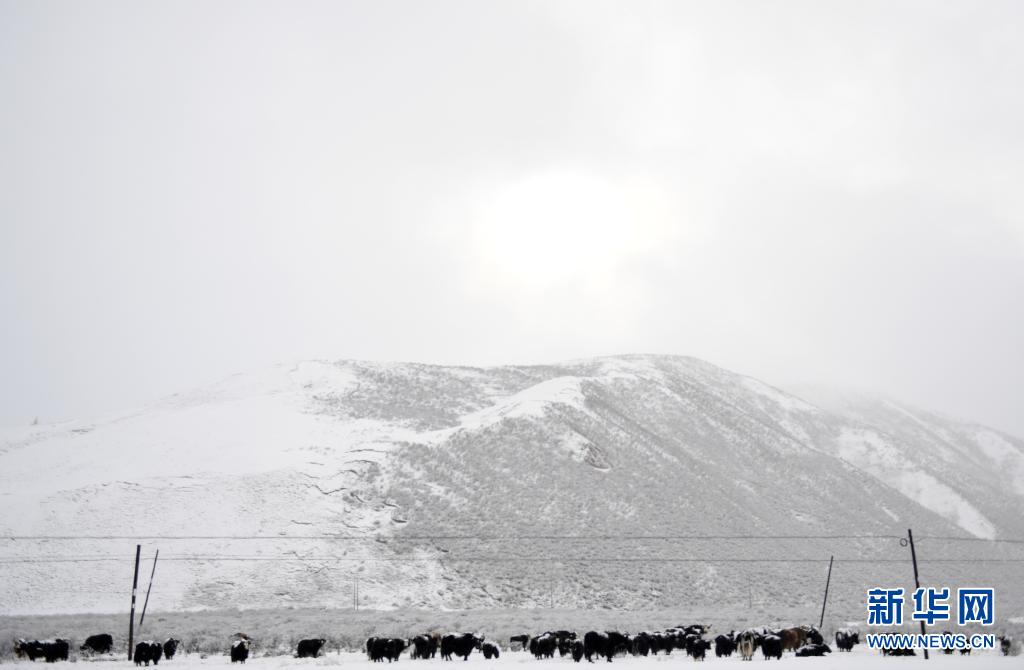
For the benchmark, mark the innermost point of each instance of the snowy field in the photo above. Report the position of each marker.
(861, 657)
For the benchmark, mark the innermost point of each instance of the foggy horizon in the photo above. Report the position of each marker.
(815, 392)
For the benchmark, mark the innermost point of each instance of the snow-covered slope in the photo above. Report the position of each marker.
(422, 474)
(970, 474)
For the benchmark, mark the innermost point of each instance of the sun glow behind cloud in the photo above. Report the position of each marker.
(567, 227)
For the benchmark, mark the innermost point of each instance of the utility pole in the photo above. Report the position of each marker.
(917, 581)
(135, 586)
(355, 593)
(828, 580)
(145, 603)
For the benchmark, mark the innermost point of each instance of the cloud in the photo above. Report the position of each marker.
(802, 191)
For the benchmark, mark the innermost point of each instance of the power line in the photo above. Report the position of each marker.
(496, 538)
(502, 559)
(961, 538)
(392, 538)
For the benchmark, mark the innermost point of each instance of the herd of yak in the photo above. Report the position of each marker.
(693, 640)
(57, 650)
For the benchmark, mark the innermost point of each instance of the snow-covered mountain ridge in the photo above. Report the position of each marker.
(398, 458)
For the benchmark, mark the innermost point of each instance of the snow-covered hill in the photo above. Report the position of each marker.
(423, 473)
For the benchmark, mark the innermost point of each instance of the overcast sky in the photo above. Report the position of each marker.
(801, 191)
